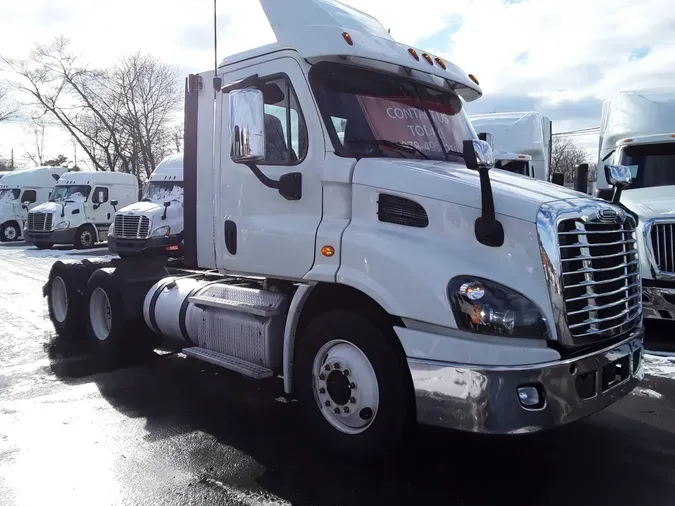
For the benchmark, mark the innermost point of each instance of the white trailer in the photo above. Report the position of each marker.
(80, 209)
(22, 191)
(155, 224)
(386, 275)
(4, 173)
(637, 129)
(527, 133)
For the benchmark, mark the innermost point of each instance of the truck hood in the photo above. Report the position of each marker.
(514, 195)
(655, 202)
(49, 207)
(151, 209)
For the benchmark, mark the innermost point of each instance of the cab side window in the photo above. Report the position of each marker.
(285, 128)
(29, 196)
(100, 195)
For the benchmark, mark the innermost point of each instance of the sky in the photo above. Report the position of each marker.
(562, 58)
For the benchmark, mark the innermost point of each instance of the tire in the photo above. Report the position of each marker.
(43, 245)
(85, 237)
(9, 232)
(110, 332)
(74, 276)
(388, 422)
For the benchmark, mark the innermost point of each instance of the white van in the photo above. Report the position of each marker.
(154, 225)
(21, 191)
(81, 209)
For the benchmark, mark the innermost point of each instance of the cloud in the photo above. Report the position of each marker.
(562, 58)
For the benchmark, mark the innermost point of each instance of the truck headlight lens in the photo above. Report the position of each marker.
(165, 230)
(62, 225)
(111, 230)
(485, 307)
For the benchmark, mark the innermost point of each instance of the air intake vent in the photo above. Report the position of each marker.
(401, 211)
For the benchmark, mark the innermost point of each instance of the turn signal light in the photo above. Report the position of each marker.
(348, 38)
(328, 251)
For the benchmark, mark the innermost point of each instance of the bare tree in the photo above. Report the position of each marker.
(565, 156)
(36, 129)
(9, 108)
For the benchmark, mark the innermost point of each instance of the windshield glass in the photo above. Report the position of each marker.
(161, 191)
(8, 195)
(371, 114)
(515, 166)
(650, 164)
(74, 193)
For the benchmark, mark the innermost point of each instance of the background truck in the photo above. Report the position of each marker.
(387, 276)
(155, 224)
(637, 129)
(4, 173)
(515, 163)
(527, 133)
(80, 209)
(21, 191)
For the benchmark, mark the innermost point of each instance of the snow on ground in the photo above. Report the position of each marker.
(663, 366)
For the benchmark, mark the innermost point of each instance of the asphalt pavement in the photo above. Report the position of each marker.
(169, 430)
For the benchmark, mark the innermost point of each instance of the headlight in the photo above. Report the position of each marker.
(165, 230)
(62, 225)
(111, 229)
(485, 307)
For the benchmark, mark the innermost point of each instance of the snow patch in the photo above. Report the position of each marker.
(663, 367)
(647, 392)
(59, 253)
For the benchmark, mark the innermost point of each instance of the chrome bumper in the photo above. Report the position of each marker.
(658, 303)
(486, 400)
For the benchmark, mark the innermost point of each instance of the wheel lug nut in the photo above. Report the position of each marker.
(352, 400)
(346, 372)
(327, 403)
(336, 411)
(327, 367)
(352, 386)
(322, 377)
(336, 365)
(346, 409)
(322, 390)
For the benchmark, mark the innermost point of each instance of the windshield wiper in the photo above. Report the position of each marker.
(385, 142)
(147, 199)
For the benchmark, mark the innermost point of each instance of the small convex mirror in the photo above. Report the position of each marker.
(487, 137)
(247, 125)
(478, 155)
(618, 175)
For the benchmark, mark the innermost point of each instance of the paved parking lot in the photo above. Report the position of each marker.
(171, 430)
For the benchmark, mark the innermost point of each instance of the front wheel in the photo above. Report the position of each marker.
(9, 232)
(354, 385)
(85, 237)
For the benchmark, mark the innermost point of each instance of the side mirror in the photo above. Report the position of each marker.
(558, 178)
(478, 155)
(247, 125)
(167, 203)
(25, 204)
(114, 203)
(619, 177)
(487, 137)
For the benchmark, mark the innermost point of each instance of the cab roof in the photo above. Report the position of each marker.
(98, 177)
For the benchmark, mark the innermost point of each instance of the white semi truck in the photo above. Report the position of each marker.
(155, 224)
(637, 129)
(80, 209)
(22, 191)
(519, 133)
(386, 275)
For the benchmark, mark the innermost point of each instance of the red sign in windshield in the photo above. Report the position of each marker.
(398, 120)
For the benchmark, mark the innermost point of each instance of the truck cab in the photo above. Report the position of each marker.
(515, 163)
(80, 209)
(638, 130)
(155, 224)
(22, 191)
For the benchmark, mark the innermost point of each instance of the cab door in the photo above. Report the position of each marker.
(99, 210)
(259, 231)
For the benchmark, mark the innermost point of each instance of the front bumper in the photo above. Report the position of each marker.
(658, 302)
(51, 237)
(485, 399)
(151, 245)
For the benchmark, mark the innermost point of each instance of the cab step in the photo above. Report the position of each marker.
(204, 301)
(228, 362)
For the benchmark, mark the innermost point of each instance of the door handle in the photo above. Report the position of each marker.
(231, 237)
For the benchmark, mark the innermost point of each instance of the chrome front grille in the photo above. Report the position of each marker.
(590, 255)
(132, 227)
(39, 222)
(662, 237)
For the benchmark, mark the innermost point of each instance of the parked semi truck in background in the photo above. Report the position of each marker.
(80, 209)
(527, 133)
(22, 191)
(637, 129)
(155, 224)
(386, 275)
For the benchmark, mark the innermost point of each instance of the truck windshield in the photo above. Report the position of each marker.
(375, 114)
(8, 195)
(650, 164)
(75, 193)
(160, 191)
(515, 166)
